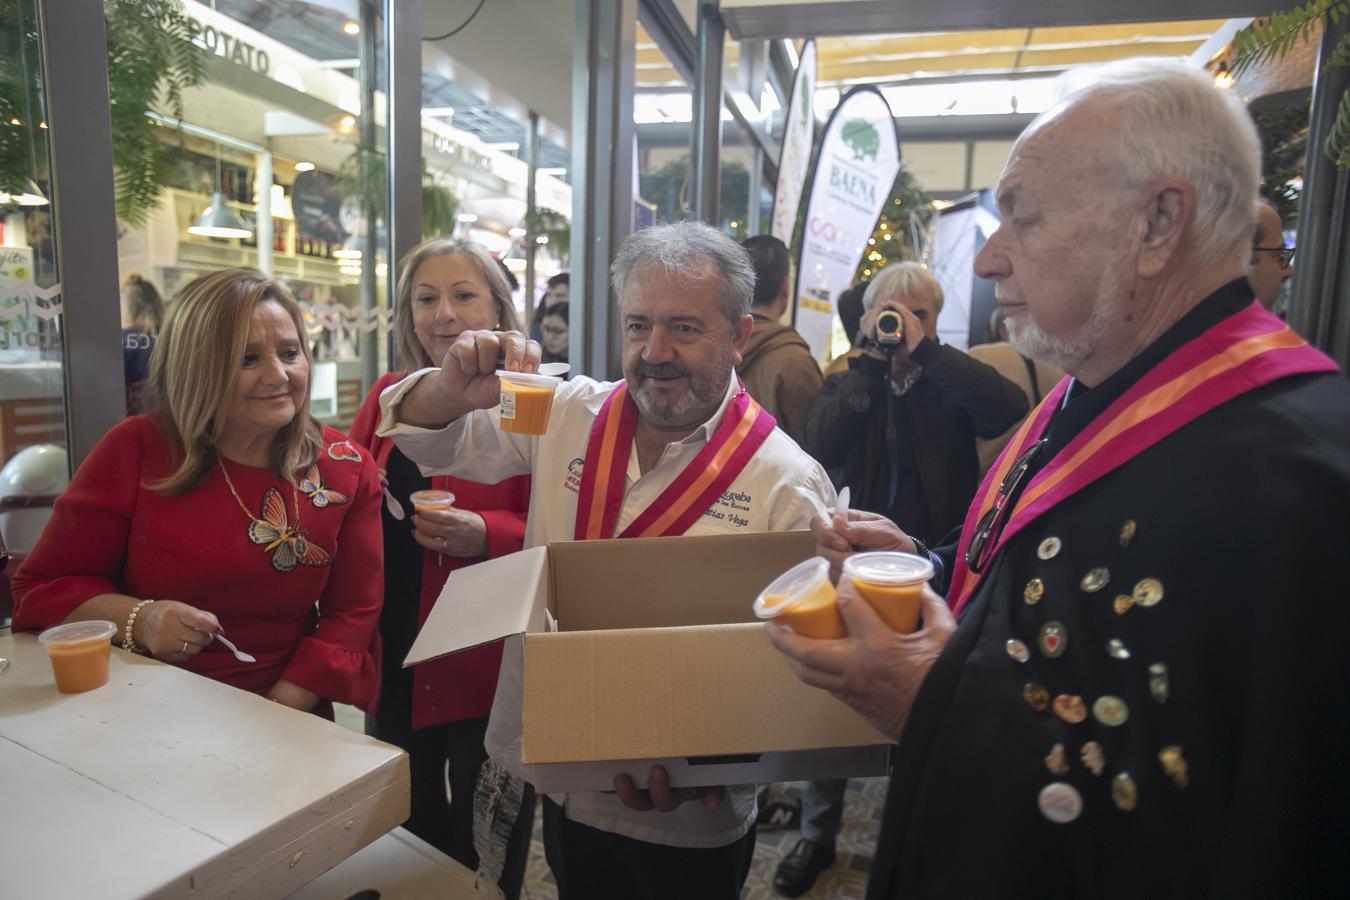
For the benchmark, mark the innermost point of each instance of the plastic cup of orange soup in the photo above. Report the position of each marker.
(803, 599)
(893, 584)
(527, 399)
(79, 653)
(423, 501)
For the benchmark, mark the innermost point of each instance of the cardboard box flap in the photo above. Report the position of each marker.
(666, 582)
(655, 692)
(484, 603)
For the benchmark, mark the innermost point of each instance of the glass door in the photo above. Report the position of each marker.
(34, 466)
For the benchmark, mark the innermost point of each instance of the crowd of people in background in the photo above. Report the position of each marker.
(1127, 680)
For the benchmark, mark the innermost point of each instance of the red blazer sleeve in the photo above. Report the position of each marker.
(505, 531)
(337, 661)
(82, 551)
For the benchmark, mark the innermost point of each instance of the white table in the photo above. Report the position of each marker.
(399, 866)
(162, 783)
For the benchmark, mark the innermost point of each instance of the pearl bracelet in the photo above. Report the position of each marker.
(129, 643)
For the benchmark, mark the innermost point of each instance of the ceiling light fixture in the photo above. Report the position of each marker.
(219, 221)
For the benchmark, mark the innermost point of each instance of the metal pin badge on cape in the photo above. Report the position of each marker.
(1060, 802)
(1053, 638)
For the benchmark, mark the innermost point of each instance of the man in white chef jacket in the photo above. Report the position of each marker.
(678, 447)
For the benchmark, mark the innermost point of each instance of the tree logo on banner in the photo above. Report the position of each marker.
(855, 168)
(862, 138)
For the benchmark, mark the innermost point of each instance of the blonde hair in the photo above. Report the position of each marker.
(194, 368)
(905, 279)
(408, 350)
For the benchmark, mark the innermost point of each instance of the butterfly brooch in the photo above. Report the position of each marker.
(289, 545)
(344, 450)
(314, 488)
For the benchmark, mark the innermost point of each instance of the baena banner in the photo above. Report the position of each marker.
(799, 135)
(858, 161)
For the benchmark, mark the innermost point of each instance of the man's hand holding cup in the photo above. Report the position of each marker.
(837, 538)
(470, 365)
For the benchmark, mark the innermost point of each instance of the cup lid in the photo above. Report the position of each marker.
(531, 378)
(78, 632)
(429, 497)
(792, 585)
(888, 568)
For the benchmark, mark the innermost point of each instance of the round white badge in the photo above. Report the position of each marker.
(1060, 802)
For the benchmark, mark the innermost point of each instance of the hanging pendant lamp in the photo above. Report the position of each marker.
(32, 195)
(219, 220)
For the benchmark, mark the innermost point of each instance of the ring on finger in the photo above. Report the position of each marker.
(184, 650)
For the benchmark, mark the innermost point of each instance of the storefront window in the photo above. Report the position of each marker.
(663, 114)
(277, 163)
(33, 437)
(475, 154)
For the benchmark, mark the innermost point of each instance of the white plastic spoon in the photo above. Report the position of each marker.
(841, 503)
(552, 369)
(238, 654)
(395, 508)
(557, 369)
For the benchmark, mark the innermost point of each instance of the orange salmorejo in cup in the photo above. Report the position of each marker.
(79, 653)
(429, 500)
(527, 399)
(803, 599)
(893, 584)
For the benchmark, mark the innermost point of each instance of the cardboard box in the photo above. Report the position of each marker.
(643, 651)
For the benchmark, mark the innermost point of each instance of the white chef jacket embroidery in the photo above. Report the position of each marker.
(780, 489)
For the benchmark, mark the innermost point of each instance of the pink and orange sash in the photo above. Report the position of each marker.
(743, 428)
(1243, 352)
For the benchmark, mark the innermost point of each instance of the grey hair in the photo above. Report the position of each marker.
(691, 251)
(1177, 124)
(905, 279)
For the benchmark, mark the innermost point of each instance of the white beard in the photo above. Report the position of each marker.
(1066, 354)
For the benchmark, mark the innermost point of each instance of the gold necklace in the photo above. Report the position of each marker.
(295, 497)
(288, 545)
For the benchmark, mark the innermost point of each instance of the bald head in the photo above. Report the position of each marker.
(1270, 267)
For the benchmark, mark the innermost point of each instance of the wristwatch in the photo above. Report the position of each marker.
(920, 548)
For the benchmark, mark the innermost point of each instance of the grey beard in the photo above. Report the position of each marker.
(1066, 354)
(697, 405)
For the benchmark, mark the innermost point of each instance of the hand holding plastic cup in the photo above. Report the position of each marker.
(893, 584)
(526, 401)
(79, 653)
(803, 599)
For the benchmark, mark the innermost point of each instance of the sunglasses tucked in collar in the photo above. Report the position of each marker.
(991, 524)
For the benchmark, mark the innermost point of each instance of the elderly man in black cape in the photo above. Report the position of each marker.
(1137, 683)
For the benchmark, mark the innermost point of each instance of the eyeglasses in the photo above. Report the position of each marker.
(991, 523)
(1285, 254)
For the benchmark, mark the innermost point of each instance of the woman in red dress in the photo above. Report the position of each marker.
(438, 711)
(227, 509)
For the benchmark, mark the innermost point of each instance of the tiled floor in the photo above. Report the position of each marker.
(847, 878)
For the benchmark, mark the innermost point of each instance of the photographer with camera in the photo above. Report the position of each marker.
(898, 428)
(900, 424)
